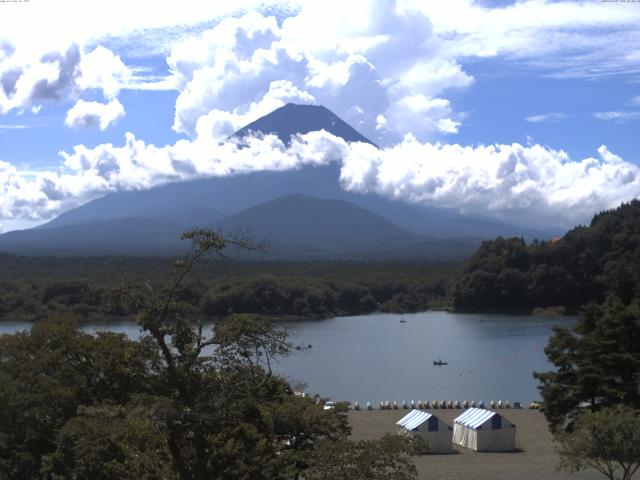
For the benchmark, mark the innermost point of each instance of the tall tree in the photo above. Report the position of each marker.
(222, 420)
(607, 440)
(598, 361)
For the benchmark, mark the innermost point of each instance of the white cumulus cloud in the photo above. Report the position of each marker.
(506, 182)
(32, 77)
(396, 60)
(102, 69)
(94, 114)
(29, 80)
(355, 71)
(528, 185)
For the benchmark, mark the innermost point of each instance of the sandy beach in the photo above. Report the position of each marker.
(535, 459)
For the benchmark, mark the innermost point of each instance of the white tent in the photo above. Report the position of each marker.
(484, 431)
(436, 432)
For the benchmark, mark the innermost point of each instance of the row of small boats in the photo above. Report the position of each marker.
(444, 404)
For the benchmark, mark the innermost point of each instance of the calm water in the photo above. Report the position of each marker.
(375, 357)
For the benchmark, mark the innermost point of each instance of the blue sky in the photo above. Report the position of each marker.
(511, 110)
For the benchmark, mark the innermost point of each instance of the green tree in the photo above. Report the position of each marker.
(228, 416)
(106, 442)
(388, 458)
(607, 440)
(598, 361)
(47, 373)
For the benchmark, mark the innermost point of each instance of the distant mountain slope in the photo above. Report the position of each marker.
(295, 227)
(300, 226)
(295, 119)
(205, 202)
(321, 223)
(122, 236)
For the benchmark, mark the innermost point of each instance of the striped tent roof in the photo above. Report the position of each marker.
(413, 419)
(474, 417)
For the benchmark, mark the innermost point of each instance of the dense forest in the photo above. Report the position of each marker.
(33, 288)
(510, 275)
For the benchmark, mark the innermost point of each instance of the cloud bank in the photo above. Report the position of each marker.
(545, 187)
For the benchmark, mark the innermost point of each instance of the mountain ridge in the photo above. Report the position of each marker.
(293, 119)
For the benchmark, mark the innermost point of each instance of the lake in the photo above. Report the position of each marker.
(376, 357)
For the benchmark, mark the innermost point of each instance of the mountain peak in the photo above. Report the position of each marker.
(293, 119)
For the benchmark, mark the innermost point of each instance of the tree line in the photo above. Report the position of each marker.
(511, 275)
(293, 291)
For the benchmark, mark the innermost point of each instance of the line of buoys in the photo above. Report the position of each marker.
(498, 361)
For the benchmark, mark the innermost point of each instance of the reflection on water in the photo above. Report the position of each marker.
(376, 357)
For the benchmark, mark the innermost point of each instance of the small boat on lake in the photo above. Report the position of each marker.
(439, 363)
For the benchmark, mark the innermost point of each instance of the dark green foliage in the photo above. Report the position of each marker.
(508, 275)
(106, 442)
(47, 374)
(388, 458)
(288, 296)
(31, 289)
(598, 361)
(73, 405)
(607, 441)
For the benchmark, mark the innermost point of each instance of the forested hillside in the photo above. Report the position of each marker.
(508, 274)
(34, 288)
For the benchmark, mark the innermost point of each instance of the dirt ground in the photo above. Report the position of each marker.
(534, 460)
